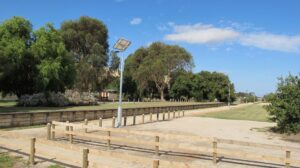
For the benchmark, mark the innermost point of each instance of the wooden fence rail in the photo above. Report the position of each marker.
(12, 119)
(36, 150)
(214, 151)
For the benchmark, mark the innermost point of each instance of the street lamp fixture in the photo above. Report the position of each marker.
(120, 46)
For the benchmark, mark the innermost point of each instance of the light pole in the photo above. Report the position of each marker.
(121, 46)
(228, 94)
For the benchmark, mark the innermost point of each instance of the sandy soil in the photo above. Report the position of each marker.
(188, 125)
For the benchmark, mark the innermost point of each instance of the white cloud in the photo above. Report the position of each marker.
(136, 21)
(209, 34)
(201, 34)
(272, 42)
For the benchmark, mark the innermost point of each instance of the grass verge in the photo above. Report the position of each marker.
(7, 161)
(254, 112)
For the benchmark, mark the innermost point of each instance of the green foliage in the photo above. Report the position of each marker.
(155, 65)
(246, 97)
(268, 97)
(17, 65)
(114, 61)
(56, 70)
(209, 86)
(86, 40)
(182, 86)
(32, 62)
(285, 105)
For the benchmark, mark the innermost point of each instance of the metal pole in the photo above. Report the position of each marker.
(229, 94)
(119, 117)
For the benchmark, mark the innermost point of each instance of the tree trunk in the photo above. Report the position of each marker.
(162, 96)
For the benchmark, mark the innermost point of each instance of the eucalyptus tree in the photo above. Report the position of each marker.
(156, 64)
(86, 40)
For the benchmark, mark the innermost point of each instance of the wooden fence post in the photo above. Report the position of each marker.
(163, 116)
(85, 123)
(108, 140)
(48, 131)
(150, 117)
(32, 151)
(183, 113)
(133, 119)
(113, 122)
(157, 145)
(214, 151)
(157, 116)
(53, 131)
(143, 118)
(125, 120)
(174, 114)
(85, 162)
(287, 159)
(168, 115)
(155, 163)
(67, 127)
(71, 135)
(100, 122)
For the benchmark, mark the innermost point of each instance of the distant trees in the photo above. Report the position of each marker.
(154, 65)
(268, 97)
(182, 86)
(203, 86)
(246, 97)
(77, 56)
(33, 62)
(86, 40)
(284, 105)
(213, 86)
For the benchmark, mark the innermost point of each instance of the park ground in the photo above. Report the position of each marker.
(246, 122)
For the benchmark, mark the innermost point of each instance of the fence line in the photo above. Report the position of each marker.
(215, 152)
(12, 119)
(35, 151)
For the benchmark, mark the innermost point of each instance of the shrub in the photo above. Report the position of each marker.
(70, 97)
(44, 99)
(284, 105)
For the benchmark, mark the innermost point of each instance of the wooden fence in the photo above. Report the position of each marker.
(34, 150)
(169, 143)
(13, 119)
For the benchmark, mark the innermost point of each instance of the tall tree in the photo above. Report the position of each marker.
(55, 66)
(32, 62)
(86, 39)
(157, 62)
(17, 66)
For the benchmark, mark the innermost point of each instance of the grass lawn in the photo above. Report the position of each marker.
(10, 106)
(7, 161)
(254, 112)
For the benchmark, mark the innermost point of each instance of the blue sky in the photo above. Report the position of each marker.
(253, 41)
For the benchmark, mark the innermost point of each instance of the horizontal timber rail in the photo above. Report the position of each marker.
(14, 119)
(36, 149)
(215, 151)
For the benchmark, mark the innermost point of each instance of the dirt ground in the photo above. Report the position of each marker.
(249, 131)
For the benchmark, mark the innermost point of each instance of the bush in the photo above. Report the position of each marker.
(43, 99)
(81, 98)
(284, 105)
(70, 97)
